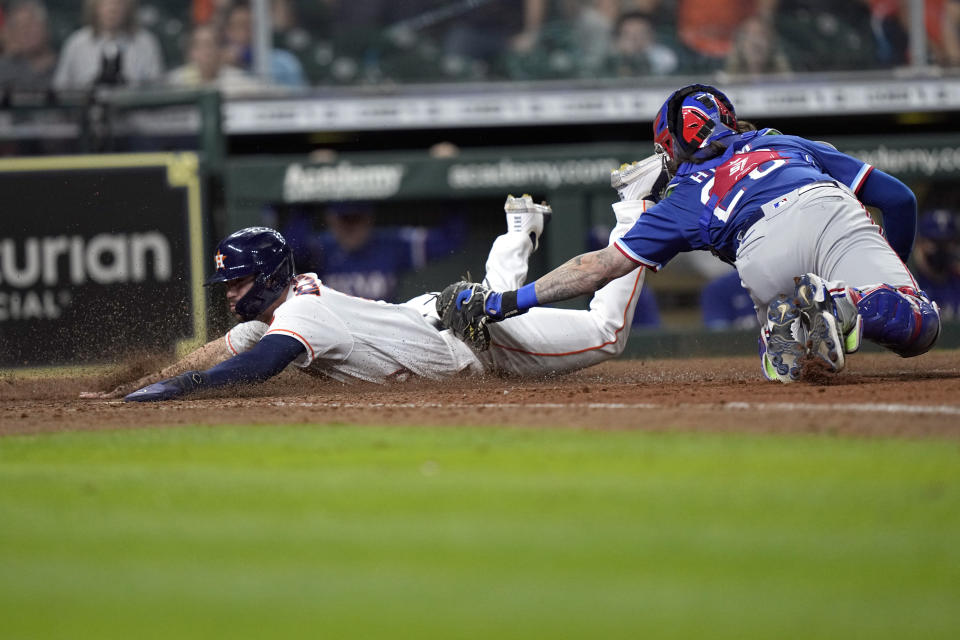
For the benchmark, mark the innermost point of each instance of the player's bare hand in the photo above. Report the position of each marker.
(119, 392)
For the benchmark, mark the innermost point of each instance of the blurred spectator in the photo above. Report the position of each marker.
(942, 19)
(653, 8)
(936, 259)
(660, 13)
(283, 15)
(707, 27)
(202, 11)
(288, 32)
(110, 50)
(209, 11)
(590, 24)
(574, 40)
(205, 65)
(890, 23)
(949, 21)
(368, 41)
(637, 52)
(756, 49)
(889, 27)
(725, 304)
(285, 68)
(28, 59)
(492, 29)
(357, 258)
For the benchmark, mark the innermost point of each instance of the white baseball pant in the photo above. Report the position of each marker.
(543, 340)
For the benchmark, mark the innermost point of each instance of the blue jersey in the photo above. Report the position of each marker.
(709, 205)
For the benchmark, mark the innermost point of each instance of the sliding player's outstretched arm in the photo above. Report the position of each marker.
(202, 358)
(267, 358)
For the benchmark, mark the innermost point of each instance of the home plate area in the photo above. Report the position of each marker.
(879, 394)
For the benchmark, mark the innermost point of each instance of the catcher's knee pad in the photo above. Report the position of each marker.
(903, 320)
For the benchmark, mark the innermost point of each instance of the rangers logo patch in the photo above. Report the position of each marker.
(741, 165)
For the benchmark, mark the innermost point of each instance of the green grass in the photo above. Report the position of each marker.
(359, 532)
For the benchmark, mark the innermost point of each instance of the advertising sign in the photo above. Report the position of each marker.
(99, 255)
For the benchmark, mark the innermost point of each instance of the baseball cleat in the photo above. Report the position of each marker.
(619, 178)
(526, 216)
(819, 314)
(782, 347)
(824, 342)
(816, 294)
(627, 179)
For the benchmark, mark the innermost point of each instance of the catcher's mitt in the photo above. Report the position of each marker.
(460, 307)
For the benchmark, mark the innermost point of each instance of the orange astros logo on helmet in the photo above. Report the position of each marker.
(219, 260)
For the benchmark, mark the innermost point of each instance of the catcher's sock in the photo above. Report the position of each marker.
(527, 217)
(851, 322)
(781, 344)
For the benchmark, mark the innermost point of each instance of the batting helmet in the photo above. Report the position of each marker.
(258, 251)
(692, 118)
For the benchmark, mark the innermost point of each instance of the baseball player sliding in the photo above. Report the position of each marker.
(288, 318)
(784, 211)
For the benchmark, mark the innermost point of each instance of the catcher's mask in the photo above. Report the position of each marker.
(258, 251)
(692, 118)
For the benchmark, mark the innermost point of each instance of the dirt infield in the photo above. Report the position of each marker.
(878, 394)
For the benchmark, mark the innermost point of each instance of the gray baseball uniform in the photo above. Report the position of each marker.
(834, 237)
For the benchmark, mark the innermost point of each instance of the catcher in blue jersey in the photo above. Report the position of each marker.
(787, 212)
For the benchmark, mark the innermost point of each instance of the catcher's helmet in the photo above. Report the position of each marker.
(692, 118)
(258, 251)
